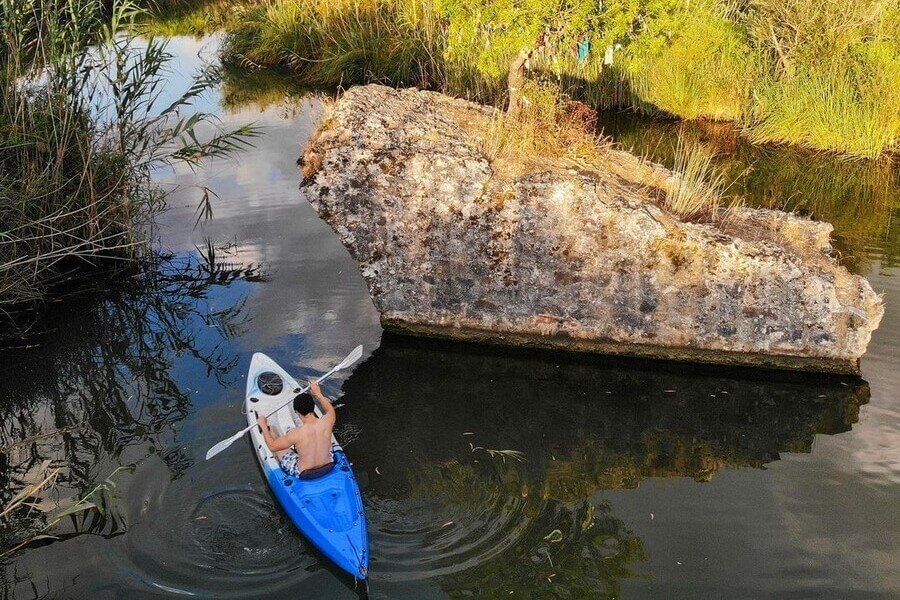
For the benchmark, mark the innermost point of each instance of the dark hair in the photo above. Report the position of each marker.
(304, 404)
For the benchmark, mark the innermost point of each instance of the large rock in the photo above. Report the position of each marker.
(452, 245)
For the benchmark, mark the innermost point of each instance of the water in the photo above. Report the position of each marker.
(639, 480)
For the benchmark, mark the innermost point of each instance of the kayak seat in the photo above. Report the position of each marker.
(316, 472)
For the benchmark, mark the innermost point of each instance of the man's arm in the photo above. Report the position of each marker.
(328, 413)
(275, 444)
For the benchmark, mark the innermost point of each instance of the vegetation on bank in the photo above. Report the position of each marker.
(551, 129)
(817, 74)
(80, 134)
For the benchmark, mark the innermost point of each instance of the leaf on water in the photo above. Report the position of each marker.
(554, 536)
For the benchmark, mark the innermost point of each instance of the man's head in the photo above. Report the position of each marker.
(305, 406)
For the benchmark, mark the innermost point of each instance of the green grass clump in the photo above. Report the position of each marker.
(701, 66)
(832, 76)
(167, 18)
(335, 42)
(698, 187)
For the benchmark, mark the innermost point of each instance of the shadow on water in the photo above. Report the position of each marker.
(98, 387)
(446, 499)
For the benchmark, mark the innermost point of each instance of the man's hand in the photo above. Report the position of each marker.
(324, 403)
(263, 423)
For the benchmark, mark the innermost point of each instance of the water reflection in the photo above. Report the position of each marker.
(485, 523)
(262, 89)
(98, 388)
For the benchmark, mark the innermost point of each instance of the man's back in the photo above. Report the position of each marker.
(312, 441)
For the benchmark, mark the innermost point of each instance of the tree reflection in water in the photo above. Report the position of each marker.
(486, 526)
(97, 389)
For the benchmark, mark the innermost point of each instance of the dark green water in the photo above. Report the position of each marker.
(640, 480)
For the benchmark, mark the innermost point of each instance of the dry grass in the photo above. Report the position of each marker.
(547, 127)
(697, 189)
(96, 512)
(549, 132)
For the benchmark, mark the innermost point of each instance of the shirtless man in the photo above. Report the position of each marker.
(305, 451)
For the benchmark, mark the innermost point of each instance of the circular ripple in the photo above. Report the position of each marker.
(445, 531)
(241, 532)
(202, 536)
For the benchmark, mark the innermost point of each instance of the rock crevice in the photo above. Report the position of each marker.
(568, 258)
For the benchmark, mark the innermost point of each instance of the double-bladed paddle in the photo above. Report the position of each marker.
(351, 358)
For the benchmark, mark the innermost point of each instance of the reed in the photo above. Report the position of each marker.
(29, 512)
(335, 42)
(80, 134)
(183, 17)
(828, 110)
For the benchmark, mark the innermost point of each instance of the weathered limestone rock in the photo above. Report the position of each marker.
(452, 245)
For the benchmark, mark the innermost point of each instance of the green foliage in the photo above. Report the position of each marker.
(191, 18)
(832, 74)
(692, 61)
(830, 110)
(343, 41)
(817, 73)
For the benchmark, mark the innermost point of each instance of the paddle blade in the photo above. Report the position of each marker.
(351, 358)
(224, 444)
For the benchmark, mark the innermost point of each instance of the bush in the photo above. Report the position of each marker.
(337, 42)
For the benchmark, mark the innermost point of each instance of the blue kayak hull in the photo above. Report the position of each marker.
(329, 512)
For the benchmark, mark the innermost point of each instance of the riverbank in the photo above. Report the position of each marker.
(814, 75)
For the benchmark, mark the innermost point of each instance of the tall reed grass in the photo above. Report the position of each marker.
(698, 187)
(80, 133)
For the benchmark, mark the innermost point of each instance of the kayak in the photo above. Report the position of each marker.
(327, 510)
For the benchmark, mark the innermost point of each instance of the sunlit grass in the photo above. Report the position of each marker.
(335, 42)
(548, 126)
(698, 188)
(816, 74)
(191, 17)
(829, 111)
